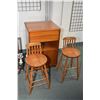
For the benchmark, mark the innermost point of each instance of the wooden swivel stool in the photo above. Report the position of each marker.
(35, 61)
(70, 52)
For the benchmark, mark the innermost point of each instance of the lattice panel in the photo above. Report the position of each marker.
(76, 22)
(29, 5)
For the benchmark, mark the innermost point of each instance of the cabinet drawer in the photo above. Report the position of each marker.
(44, 36)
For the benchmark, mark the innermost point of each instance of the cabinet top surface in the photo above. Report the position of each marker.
(41, 26)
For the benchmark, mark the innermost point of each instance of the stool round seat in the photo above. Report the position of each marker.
(36, 60)
(71, 52)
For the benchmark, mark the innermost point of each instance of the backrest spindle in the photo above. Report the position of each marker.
(69, 41)
(33, 48)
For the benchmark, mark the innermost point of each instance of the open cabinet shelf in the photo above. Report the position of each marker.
(49, 46)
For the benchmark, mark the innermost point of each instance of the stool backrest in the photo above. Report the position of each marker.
(33, 48)
(69, 41)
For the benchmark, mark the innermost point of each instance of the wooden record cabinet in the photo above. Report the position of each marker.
(48, 34)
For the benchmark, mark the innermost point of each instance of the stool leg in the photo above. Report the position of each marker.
(31, 80)
(42, 71)
(26, 71)
(77, 68)
(46, 74)
(71, 62)
(59, 62)
(65, 70)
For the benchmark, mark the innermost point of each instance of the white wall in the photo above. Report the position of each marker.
(56, 17)
(29, 16)
(55, 13)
